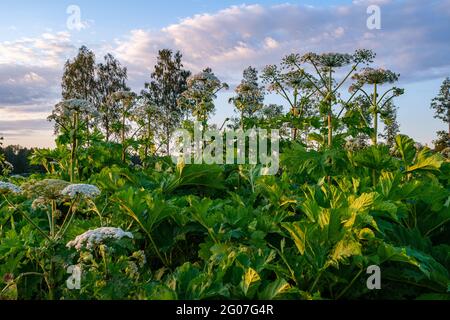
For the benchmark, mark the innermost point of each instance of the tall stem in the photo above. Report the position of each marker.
(123, 132)
(149, 138)
(375, 115)
(73, 154)
(330, 111)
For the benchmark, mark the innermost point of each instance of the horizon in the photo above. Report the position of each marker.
(36, 40)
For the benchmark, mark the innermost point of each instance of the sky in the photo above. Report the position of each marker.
(37, 37)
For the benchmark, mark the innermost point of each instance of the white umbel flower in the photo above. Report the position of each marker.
(69, 107)
(85, 190)
(7, 187)
(123, 95)
(92, 238)
(39, 203)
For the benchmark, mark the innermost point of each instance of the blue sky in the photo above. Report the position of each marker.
(225, 35)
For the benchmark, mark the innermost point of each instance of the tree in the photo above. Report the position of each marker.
(111, 77)
(441, 104)
(200, 94)
(169, 81)
(249, 95)
(2, 156)
(127, 102)
(146, 118)
(78, 81)
(442, 143)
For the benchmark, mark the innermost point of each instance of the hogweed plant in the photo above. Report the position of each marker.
(72, 116)
(326, 65)
(218, 222)
(375, 78)
(202, 89)
(50, 196)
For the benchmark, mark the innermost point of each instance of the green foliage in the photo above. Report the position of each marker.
(163, 231)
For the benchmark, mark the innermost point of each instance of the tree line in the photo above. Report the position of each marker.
(97, 104)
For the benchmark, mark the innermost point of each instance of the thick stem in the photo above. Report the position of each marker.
(375, 115)
(149, 139)
(123, 136)
(73, 152)
(330, 112)
(88, 142)
(294, 112)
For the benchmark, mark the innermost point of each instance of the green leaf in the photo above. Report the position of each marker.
(426, 162)
(250, 278)
(344, 249)
(274, 290)
(405, 147)
(298, 234)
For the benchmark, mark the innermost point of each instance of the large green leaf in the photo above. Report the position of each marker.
(274, 290)
(405, 147)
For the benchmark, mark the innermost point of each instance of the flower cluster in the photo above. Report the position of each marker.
(375, 76)
(39, 203)
(47, 189)
(363, 56)
(84, 190)
(122, 95)
(92, 238)
(328, 60)
(7, 187)
(80, 106)
(203, 77)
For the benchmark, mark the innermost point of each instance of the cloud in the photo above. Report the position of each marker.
(46, 50)
(36, 131)
(22, 85)
(413, 39)
(30, 72)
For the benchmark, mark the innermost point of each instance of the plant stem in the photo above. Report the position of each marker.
(349, 285)
(375, 115)
(28, 219)
(330, 111)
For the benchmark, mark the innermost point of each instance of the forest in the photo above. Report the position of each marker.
(107, 214)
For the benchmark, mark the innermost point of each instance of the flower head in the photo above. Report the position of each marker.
(39, 203)
(204, 77)
(328, 60)
(85, 190)
(48, 189)
(92, 238)
(123, 95)
(375, 76)
(363, 56)
(80, 106)
(7, 187)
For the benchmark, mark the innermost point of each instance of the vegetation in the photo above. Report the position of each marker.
(112, 203)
